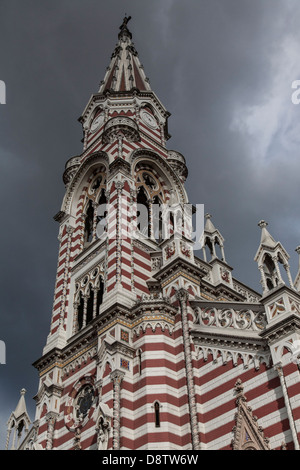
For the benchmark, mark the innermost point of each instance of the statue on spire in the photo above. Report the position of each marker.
(125, 21)
(124, 31)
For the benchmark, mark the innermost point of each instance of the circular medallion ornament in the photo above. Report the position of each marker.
(148, 119)
(84, 401)
(80, 404)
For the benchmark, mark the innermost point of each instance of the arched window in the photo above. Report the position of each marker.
(157, 219)
(151, 195)
(270, 272)
(99, 297)
(102, 214)
(143, 215)
(88, 299)
(140, 361)
(157, 414)
(209, 245)
(89, 223)
(80, 311)
(90, 306)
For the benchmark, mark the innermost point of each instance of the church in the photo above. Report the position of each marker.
(150, 346)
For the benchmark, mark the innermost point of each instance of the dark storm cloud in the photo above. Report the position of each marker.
(222, 68)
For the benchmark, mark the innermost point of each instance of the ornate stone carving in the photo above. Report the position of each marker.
(156, 263)
(117, 377)
(244, 319)
(248, 435)
(120, 124)
(170, 250)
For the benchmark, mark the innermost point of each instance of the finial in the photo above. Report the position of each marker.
(125, 21)
(23, 391)
(207, 216)
(298, 250)
(262, 224)
(123, 27)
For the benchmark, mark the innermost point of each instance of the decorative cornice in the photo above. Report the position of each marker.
(183, 266)
(288, 324)
(121, 348)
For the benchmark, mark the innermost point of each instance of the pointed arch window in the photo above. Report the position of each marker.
(157, 414)
(157, 219)
(94, 214)
(143, 212)
(101, 216)
(90, 305)
(150, 195)
(89, 223)
(140, 361)
(270, 272)
(99, 297)
(88, 299)
(80, 311)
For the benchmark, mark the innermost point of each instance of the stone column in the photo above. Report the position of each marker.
(288, 272)
(275, 261)
(51, 419)
(182, 296)
(85, 299)
(75, 320)
(95, 290)
(263, 278)
(117, 377)
(119, 186)
(95, 207)
(279, 369)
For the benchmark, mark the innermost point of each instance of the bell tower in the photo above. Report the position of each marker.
(109, 370)
(151, 347)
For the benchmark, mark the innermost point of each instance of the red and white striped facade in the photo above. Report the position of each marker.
(151, 347)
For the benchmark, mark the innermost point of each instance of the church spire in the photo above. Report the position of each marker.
(125, 71)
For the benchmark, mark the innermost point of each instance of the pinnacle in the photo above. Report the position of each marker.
(209, 226)
(266, 238)
(21, 406)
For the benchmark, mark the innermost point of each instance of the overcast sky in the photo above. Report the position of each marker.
(224, 70)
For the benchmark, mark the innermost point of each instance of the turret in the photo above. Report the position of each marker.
(18, 423)
(212, 238)
(269, 256)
